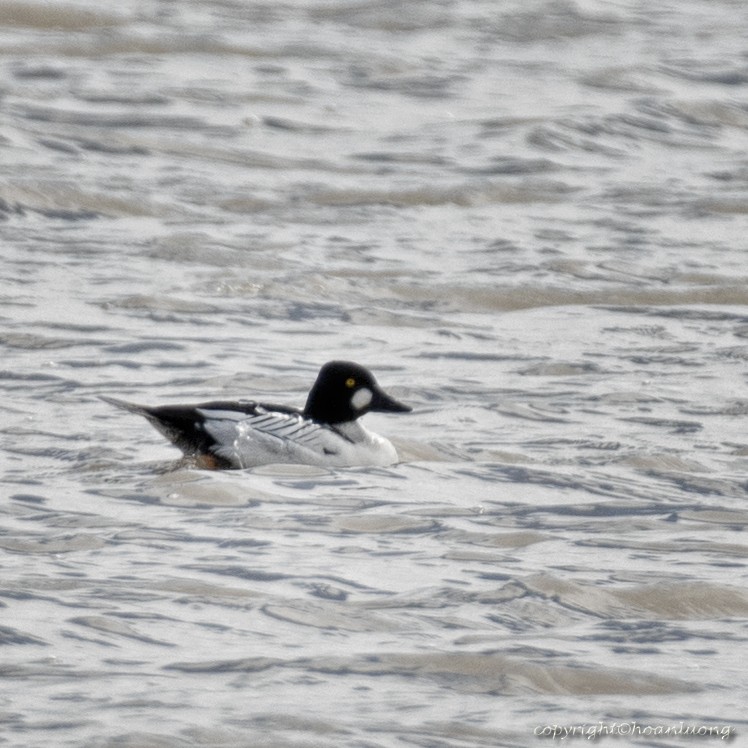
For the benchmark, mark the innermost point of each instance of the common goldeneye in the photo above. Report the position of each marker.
(244, 434)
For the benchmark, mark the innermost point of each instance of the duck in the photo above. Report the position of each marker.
(327, 432)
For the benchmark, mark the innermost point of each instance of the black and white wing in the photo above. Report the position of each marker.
(263, 436)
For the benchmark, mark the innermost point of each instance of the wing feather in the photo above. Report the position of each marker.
(261, 436)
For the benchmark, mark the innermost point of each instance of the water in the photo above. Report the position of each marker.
(528, 218)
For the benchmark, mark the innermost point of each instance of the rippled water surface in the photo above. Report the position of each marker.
(529, 218)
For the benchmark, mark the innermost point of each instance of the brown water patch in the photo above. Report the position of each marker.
(54, 16)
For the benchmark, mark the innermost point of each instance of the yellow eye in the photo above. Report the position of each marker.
(350, 382)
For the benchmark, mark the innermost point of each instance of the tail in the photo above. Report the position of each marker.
(140, 410)
(181, 425)
(161, 425)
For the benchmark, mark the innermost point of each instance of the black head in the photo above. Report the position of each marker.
(344, 391)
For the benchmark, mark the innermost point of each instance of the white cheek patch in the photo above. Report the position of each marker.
(361, 398)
